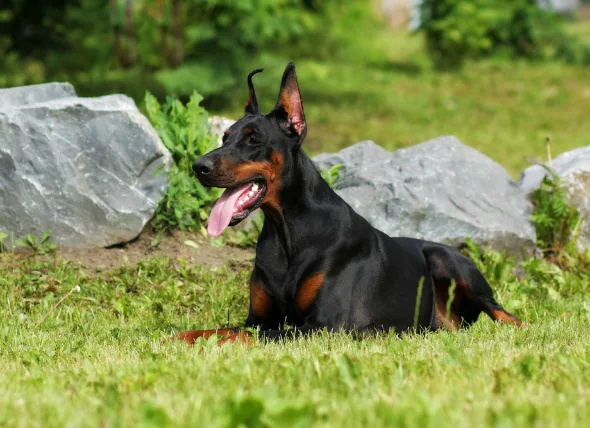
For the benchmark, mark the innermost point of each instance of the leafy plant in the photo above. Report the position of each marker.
(184, 130)
(43, 246)
(555, 221)
(495, 266)
(332, 174)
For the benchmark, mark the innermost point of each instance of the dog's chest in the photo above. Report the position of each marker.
(283, 283)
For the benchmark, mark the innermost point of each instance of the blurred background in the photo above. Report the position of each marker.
(502, 75)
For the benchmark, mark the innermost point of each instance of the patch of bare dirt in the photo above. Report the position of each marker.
(172, 246)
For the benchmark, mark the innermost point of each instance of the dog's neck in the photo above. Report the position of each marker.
(303, 196)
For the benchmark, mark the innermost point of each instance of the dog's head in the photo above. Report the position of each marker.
(256, 152)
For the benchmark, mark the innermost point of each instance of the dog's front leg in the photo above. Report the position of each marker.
(280, 335)
(191, 336)
(268, 335)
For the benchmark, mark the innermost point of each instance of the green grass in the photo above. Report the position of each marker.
(98, 360)
(390, 94)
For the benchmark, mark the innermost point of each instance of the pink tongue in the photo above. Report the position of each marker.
(223, 210)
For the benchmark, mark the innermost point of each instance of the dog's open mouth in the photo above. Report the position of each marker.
(235, 204)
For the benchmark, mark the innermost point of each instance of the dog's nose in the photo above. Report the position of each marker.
(203, 167)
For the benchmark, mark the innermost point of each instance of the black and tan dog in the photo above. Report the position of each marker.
(320, 265)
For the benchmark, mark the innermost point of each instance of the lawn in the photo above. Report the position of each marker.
(98, 361)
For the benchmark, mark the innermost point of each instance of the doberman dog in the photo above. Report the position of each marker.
(320, 265)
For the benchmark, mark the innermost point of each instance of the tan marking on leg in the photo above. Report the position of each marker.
(260, 300)
(501, 316)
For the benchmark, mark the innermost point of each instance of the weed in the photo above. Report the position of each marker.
(42, 246)
(332, 174)
(555, 221)
(495, 266)
(184, 130)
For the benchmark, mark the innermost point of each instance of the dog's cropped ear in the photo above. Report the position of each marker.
(289, 105)
(252, 103)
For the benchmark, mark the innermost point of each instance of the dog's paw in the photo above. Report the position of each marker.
(240, 337)
(190, 336)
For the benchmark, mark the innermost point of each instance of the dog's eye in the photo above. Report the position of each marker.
(254, 141)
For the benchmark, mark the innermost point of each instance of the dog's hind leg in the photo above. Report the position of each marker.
(460, 305)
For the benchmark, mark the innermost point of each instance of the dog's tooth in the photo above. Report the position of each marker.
(254, 187)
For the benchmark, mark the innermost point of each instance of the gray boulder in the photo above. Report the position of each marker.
(440, 190)
(91, 170)
(218, 125)
(360, 154)
(573, 168)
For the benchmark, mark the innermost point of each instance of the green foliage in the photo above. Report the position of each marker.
(184, 130)
(177, 45)
(332, 174)
(457, 30)
(556, 222)
(496, 267)
(531, 279)
(42, 246)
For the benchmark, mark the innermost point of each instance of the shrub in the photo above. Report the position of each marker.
(457, 30)
(176, 45)
(43, 245)
(184, 130)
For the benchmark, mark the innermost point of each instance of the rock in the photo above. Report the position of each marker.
(20, 96)
(91, 170)
(218, 125)
(363, 153)
(573, 168)
(440, 190)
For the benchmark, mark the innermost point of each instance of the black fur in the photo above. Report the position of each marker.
(370, 280)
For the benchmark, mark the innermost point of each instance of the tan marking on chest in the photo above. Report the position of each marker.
(308, 290)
